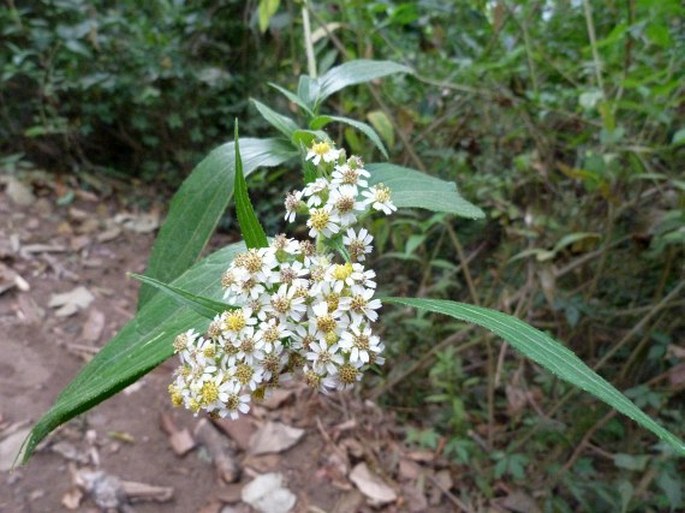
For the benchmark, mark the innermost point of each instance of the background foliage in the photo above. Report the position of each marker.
(574, 146)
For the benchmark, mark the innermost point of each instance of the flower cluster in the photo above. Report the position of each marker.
(298, 306)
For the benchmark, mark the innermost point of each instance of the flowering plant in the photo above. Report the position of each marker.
(299, 306)
(291, 306)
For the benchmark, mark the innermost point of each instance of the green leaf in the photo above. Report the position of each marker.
(265, 11)
(293, 98)
(139, 347)
(383, 126)
(198, 205)
(205, 306)
(323, 120)
(413, 189)
(350, 73)
(282, 123)
(305, 138)
(678, 137)
(251, 229)
(547, 352)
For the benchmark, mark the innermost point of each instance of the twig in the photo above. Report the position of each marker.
(455, 500)
(462, 260)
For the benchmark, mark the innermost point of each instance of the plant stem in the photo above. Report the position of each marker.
(593, 44)
(308, 43)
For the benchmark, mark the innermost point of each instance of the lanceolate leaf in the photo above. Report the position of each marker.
(252, 231)
(139, 347)
(293, 98)
(548, 353)
(411, 188)
(205, 306)
(198, 205)
(282, 123)
(350, 73)
(321, 121)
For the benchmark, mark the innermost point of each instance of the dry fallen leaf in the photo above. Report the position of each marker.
(109, 234)
(267, 494)
(10, 447)
(219, 449)
(182, 442)
(19, 192)
(275, 398)
(72, 499)
(239, 430)
(520, 502)
(274, 437)
(135, 492)
(9, 279)
(68, 303)
(372, 486)
(94, 326)
(139, 223)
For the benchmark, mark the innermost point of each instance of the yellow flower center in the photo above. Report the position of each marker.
(347, 373)
(319, 218)
(342, 271)
(382, 193)
(235, 321)
(176, 397)
(208, 393)
(243, 373)
(326, 323)
(321, 148)
(333, 301)
(180, 342)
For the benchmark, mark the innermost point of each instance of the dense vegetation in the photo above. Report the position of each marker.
(563, 120)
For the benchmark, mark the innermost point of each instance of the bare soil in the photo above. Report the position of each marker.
(55, 248)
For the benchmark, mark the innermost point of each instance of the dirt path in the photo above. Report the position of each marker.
(343, 455)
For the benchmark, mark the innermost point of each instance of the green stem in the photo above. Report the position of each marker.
(308, 43)
(593, 45)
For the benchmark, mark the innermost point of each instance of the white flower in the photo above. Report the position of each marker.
(358, 244)
(328, 323)
(315, 190)
(258, 262)
(324, 357)
(360, 342)
(378, 197)
(293, 201)
(339, 276)
(360, 305)
(285, 305)
(362, 277)
(248, 345)
(233, 402)
(185, 341)
(293, 274)
(272, 331)
(304, 335)
(323, 151)
(348, 374)
(343, 200)
(350, 173)
(322, 221)
(234, 321)
(274, 360)
(286, 244)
